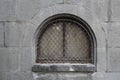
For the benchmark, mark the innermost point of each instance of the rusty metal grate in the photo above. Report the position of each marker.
(64, 41)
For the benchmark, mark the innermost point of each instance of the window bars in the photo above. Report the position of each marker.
(64, 41)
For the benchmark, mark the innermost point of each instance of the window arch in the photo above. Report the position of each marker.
(65, 38)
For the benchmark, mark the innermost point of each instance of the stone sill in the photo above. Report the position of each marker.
(64, 68)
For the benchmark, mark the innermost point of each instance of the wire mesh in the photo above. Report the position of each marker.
(64, 41)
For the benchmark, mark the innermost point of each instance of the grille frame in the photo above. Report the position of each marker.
(73, 18)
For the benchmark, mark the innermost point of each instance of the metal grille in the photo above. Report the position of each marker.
(64, 41)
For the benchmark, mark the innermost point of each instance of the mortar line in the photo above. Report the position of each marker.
(109, 11)
(4, 33)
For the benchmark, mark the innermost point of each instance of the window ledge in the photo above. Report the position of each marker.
(63, 68)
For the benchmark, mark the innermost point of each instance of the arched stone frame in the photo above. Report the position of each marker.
(84, 24)
(66, 8)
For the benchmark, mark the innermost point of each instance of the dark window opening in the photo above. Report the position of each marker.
(64, 41)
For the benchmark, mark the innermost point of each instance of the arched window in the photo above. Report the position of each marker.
(65, 38)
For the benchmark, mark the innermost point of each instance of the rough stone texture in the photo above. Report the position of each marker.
(20, 76)
(62, 76)
(18, 34)
(64, 68)
(99, 7)
(26, 9)
(1, 34)
(10, 59)
(115, 8)
(4, 59)
(14, 34)
(113, 47)
(15, 63)
(114, 35)
(16, 76)
(99, 76)
(112, 76)
(22, 10)
(106, 76)
(19, 21)
(26, 62)
(114, 59)
(7, 10)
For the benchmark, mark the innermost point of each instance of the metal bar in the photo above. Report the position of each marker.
(66, 47)
(64, 30)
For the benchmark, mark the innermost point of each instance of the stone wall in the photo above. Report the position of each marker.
(19, 21)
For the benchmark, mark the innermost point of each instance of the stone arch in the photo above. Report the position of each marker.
(96, 27)
(86, 27)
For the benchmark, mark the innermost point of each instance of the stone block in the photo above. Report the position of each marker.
(113, 59)
(9, 59)
(18, 34)
(7, 10)
(4, 60)
(1, 35)
(81, 8)
(114, 35)
(112, 76)
(26, 9)
(75, 2)
(14, 59)
(22, 76)
(95, 8)
(64, 68)
(49, 2)
(99, 76)
(3, 75)
(62, 76)
(44, 13)
(26, 62)
(13, 34)
(101, 59)
(99, 10)
(115, 7)
(17, 76)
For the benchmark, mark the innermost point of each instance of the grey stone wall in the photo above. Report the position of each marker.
(19, 21)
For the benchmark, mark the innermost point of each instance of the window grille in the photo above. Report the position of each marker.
(64, 41)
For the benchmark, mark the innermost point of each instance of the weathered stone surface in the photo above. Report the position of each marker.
(112, 76)
(64, 68)
(15, 63)
(26, 62)
(4, 60)
(7, 10)
(20, 76)
(1, 34)
(99, 76)
(113, 59)
(26, 9)
(13, 59)
(3, 75)
(18, 34)
(85, 11)
(16, 76)
(9, 59)
(13, 34)
(62, 76)
(98, 28)
(114, 35)
(101, 63)
(115, 7)
(76, 2)
(98, 8)
(17, 55)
